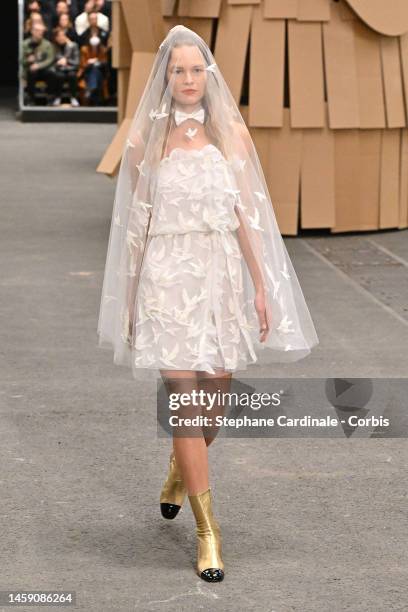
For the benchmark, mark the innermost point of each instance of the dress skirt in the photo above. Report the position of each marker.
(189, 312)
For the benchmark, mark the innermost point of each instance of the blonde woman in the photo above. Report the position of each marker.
(198, 283)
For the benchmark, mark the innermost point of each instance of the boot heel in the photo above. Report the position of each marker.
(210, 566)
(174, 492)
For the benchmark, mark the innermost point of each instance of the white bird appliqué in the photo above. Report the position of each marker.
(168, 356)
(191, 133)
(234, 192)
(254, 221)
(140, 166)
(284, 325)
(260, 196)
(285, 272)
(144, 205)
(156, 114)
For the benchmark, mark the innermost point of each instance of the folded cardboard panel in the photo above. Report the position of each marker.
(403, 45)
(393, 88)
(389, 178)
(283, 174)
(144, 22)
(203, 27)
(244, 1)
(261, 138)
(122, 88)
(302, 10)
(306, 75)
(199, 8)
(370, 85)
(266, 76)
(357, 179)
(231, 45)
(346, 12)
(110, 162)
(139, 73)
(317, 178)
(313, 10)
(167, 7)
(341, 72)
(347, 181)
(367, 217)
(280, 9)
(390, 18)
(403, 187)
(121, 47)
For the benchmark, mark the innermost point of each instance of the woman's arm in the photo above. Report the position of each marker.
(138, 224)
(256, 275)
(248, 254)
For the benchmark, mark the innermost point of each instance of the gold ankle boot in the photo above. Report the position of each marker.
(210, 565)
(173, 492)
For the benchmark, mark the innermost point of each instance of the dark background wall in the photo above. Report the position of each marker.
(9, 45)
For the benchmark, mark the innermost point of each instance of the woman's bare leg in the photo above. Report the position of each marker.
(190, 452)
(216, 384)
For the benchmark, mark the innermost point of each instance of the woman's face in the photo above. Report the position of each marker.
(63, 20)
(187, 74)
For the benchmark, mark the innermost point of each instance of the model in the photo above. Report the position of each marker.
(198, 283)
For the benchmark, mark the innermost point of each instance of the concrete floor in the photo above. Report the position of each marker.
(308, 525)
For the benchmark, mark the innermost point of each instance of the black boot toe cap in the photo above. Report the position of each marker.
(169, 511)
(212, 574)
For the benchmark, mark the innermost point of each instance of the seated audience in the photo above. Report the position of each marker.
(82, 21)
(66, 24)
(93, 30)
(33, 19)
(37, 58)
(65, 66)
(67, 45)
(46, 8)
(93, 68)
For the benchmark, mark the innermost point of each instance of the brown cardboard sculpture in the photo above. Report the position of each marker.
(321, 84)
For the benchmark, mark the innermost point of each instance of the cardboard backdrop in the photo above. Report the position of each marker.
(321, 84)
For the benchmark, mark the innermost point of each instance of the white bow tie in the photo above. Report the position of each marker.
(180, 116)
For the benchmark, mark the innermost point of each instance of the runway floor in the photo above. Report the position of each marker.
(308, 524)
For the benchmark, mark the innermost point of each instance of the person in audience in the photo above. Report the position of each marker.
(37, 58)
(73, 7)
(65, 66)
(33, 18)
(66, 24)
(32, 6)
(104, 7)
(61, 8)
(93, 68)
(82, 21)
(47, 10)
(93, 30)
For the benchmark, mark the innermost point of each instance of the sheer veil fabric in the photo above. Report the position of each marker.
(194, 237)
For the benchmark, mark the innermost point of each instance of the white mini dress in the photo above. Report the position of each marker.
(190, 311)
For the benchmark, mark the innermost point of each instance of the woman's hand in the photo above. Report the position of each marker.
(260, 308)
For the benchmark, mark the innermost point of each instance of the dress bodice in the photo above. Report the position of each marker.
(194, 191)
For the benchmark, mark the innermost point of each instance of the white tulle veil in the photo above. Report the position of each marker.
(291, 334)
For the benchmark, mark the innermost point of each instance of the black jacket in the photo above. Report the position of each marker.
(71, 51)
